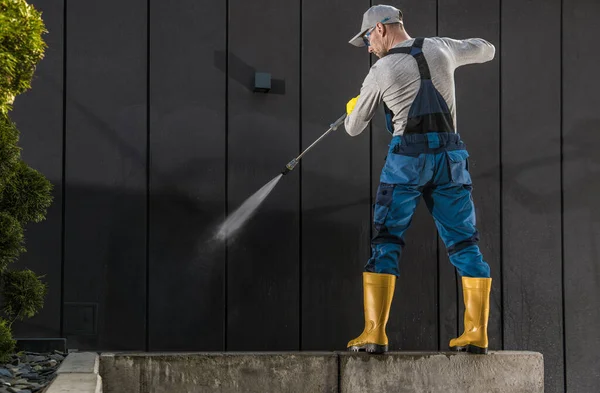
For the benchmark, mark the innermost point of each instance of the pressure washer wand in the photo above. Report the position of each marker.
(332, 127)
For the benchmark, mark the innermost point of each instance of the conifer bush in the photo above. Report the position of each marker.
(25, 194)
(21, 48)
(7, 344)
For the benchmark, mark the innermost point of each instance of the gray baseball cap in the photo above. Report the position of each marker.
(377, 14)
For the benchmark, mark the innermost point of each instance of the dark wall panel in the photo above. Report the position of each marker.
(105, 251)
(335, 178)
(263, 135)
(413, 319)
(187, 184)
(531, 183)
(39, 117)
(581, 187)
(478, 118)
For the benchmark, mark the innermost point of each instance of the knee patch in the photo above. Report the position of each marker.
(384, 236)
(473, 240)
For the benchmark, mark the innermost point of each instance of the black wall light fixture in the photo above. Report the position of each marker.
(262, 82)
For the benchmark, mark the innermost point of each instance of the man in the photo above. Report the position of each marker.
(414, 79)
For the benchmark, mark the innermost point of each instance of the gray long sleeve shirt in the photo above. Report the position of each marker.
(395, 79)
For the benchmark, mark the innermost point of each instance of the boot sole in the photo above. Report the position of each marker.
(474, 349)
(369, 348)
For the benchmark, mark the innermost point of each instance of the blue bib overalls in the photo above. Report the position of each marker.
(428, 160)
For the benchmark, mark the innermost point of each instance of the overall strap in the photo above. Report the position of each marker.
(407, 50)
(416, 51)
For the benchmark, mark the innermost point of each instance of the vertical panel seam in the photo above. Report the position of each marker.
(437, 240)
(562, 200)
(500, 97)
(148, 175)
(226, 264)
(64, 166)
(370, 163)
(300, 255)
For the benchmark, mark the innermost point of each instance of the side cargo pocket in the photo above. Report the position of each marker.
(458, 165)
(383, 201)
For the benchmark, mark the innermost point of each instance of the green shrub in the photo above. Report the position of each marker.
(23, 294)
(9, 151)
(21, 48)
(26, 194)
(7, 344)
(11, 240)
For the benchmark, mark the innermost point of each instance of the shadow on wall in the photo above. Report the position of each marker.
(243, 73)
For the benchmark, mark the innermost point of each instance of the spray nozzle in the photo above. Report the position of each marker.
(290, 166)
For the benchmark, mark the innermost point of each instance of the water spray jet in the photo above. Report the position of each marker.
(238, 218)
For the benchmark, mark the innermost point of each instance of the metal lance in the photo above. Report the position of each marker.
(292, 164)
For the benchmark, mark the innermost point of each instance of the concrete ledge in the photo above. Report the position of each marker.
(80, 362)
(222, 372)
(398, 372)
(78, 373)
(401, 372)
(76, 383)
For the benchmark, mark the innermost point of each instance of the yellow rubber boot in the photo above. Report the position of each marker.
(476, 293)
(378, 290)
